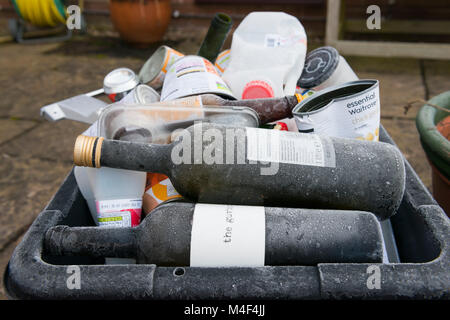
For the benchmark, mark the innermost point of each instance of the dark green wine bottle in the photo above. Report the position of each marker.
(210, 163)
(216, 36)
(291, 237)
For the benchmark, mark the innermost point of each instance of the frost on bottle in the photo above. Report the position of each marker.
(208, 235)
(210, 163)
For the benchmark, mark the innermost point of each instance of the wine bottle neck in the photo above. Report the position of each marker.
(269, 110)
(135, 156)
(89, 241)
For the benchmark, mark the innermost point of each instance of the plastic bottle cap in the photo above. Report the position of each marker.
(257, 89)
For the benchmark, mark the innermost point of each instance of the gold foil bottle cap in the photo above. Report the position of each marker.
(87, 151)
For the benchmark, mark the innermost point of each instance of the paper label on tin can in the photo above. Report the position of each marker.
(193, 101)
(192, 75)
(228, 236)
(290, 147)
(170, 57)
(356, 117)
(119, 212)
(222, 61)
(159, 189)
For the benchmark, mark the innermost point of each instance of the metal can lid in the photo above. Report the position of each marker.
(120, 80)
(146, 94)
(319, 66)
(324, 98)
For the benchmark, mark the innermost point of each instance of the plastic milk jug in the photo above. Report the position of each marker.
(268, 55)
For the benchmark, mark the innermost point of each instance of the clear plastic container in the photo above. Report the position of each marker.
(155, 123)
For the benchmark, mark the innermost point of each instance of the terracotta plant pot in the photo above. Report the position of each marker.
(140, 22)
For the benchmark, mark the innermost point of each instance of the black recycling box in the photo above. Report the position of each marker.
(420, 228)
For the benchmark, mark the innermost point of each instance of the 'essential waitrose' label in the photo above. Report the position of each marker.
(289, 147)
(119, 213)
(357, 116)
(228, 236)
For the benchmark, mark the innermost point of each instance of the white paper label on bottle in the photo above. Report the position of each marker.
(228, 236)
(119, 212)
(289, 147)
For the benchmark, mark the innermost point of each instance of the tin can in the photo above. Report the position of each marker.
(119, 82)
(155, 68)
(142, 94)
(351, 110)
(222, 61)
(303, 94)
(324, 67)
(193, 75)
(158, 189)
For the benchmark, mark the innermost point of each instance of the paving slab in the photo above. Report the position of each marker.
(5, 256)
(383, 65)
(10, 128)
(48, 73)
(405, 135)
(400, 83)
(26, 186)
(437, 75)
(52, 141)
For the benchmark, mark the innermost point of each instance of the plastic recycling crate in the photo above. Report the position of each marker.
(420, 228)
